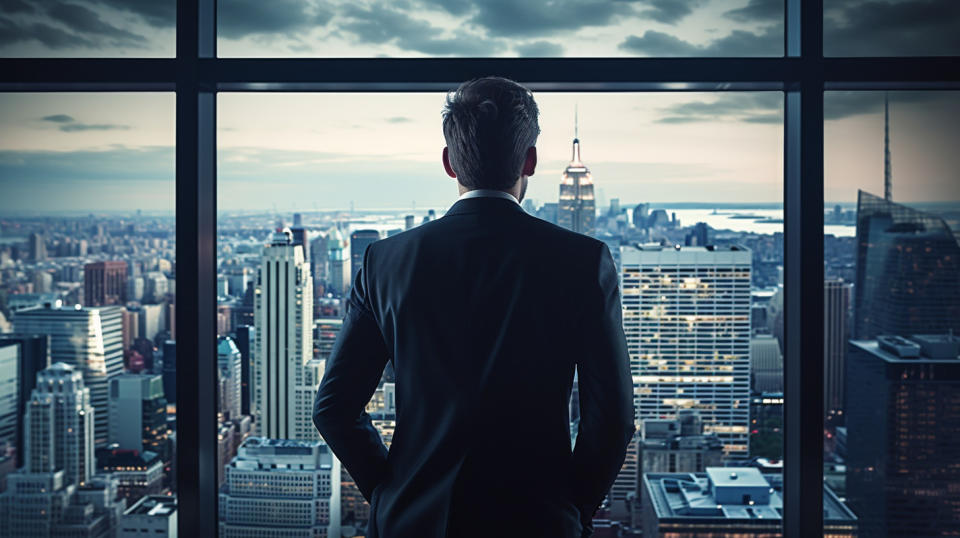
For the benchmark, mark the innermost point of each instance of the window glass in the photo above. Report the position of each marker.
(702, 171)
(892, 310)
(891, 27)
(474, 28)
(87, 309)
(87, 28)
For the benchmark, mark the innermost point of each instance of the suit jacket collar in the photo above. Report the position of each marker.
(484, 204)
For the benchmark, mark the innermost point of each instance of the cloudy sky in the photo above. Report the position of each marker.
(115, 151)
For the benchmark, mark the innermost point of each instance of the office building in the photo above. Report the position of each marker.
(169, 371)
(32, 357)
(359, 241)
(105, 283)
(138, 413)
(325, 331)
(229, 366)
(59, 425)
(244, 339)
(34, 503)
(318, 259)
(153, 515)
(728, 502)
(37, 246)
(686, 316)
(836, 333)
(907, 267)
(338, 264)
(284, 383)
(274, 483)
(766, 364)
(89, 339)
(300, 240)
(678, 445)
(577, 210)
(903, 419)
(9, 393)
(137, 473)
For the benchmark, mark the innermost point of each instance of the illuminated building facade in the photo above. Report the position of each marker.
(903, 426)
(686, 315)
(907, 267)
(283, 381)
(577, 209)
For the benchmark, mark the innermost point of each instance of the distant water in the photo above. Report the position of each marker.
(761, 221)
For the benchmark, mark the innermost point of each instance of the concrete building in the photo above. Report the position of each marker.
(836, 333)
(359, 241)
(325, 331)
(138, 413)
(32, 356)
(279, 486)
(229, 366)
(105, 283)
(686, 316)
(338, 263)
(154, 516)
(137, 473)
(766, 364)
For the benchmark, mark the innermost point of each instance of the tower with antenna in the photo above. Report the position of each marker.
(887, 172)
(577, 208)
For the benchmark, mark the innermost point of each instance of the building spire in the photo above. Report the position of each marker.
(575, 157)
(887, 173)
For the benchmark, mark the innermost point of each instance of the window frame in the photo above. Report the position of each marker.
(197, 75)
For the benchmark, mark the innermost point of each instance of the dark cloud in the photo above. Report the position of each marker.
(83, 127)
(750, 107)
(58, 118)
(387, 25)
(241, 18)
(512, 18)
(85, 21)
(399, 119)
(15, 6)
(758, 10)
(844, 104)
(539, 49)
(769, 42)
(669, 11)
(454, 7)
(880, 27)
(14, 32)
(159, 13)
(118, 162)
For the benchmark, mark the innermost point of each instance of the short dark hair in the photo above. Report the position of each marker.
(489, 123)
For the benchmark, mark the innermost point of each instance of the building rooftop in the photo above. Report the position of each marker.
(919, 348)
(154, 506)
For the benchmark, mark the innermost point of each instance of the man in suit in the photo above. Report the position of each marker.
(484, 314)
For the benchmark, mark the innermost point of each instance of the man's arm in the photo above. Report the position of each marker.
(351, 376)
(606, 393)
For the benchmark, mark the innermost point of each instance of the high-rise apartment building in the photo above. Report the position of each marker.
(325, 334)
(105, 283)
(59, 425)
(283, 379)
(577, 209)
(338, 264)
(903, 426)
(278, 487)
(90, 340)
(229, 366)
(907, 267)
(686, 316)
(766, 364)
(38, 247)
(359, 241)
(836, 332)
(32, 357)
(138, 413)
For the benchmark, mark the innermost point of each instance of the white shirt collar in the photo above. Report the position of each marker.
(488, 193)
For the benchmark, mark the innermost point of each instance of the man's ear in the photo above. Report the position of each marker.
(446, 164)
(530, 164)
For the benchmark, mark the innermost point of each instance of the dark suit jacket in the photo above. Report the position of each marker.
(484, 314)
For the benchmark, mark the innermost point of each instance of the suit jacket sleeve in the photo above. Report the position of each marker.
(352, 374)
(606, 392)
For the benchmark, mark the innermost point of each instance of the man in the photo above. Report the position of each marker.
(484, 315)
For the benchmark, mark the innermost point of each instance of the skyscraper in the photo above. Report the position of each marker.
(300, 239)
(38, 247)
(686, 317)
(9, 393)
(59, 425)
(33, 356)
(246, 342)
(836, 304)
(138, 413)
(766, 364)
(169, 372)
(359, 241)
(105, 283)
(903, 423)
(279, 487)
(907, 267)
(325, 334)
(283, 383)
(337, 262)
(229, 365)
(90, 340)
(577, 208)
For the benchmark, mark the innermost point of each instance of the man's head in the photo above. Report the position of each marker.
(490, 125)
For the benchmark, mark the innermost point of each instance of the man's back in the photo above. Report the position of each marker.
(484, 313)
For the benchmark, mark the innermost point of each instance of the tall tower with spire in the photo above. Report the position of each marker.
(887, 172)
(577, 209)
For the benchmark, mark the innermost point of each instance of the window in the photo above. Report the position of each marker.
(391, 62)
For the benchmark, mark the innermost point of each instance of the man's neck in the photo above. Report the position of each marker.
(512, 191)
